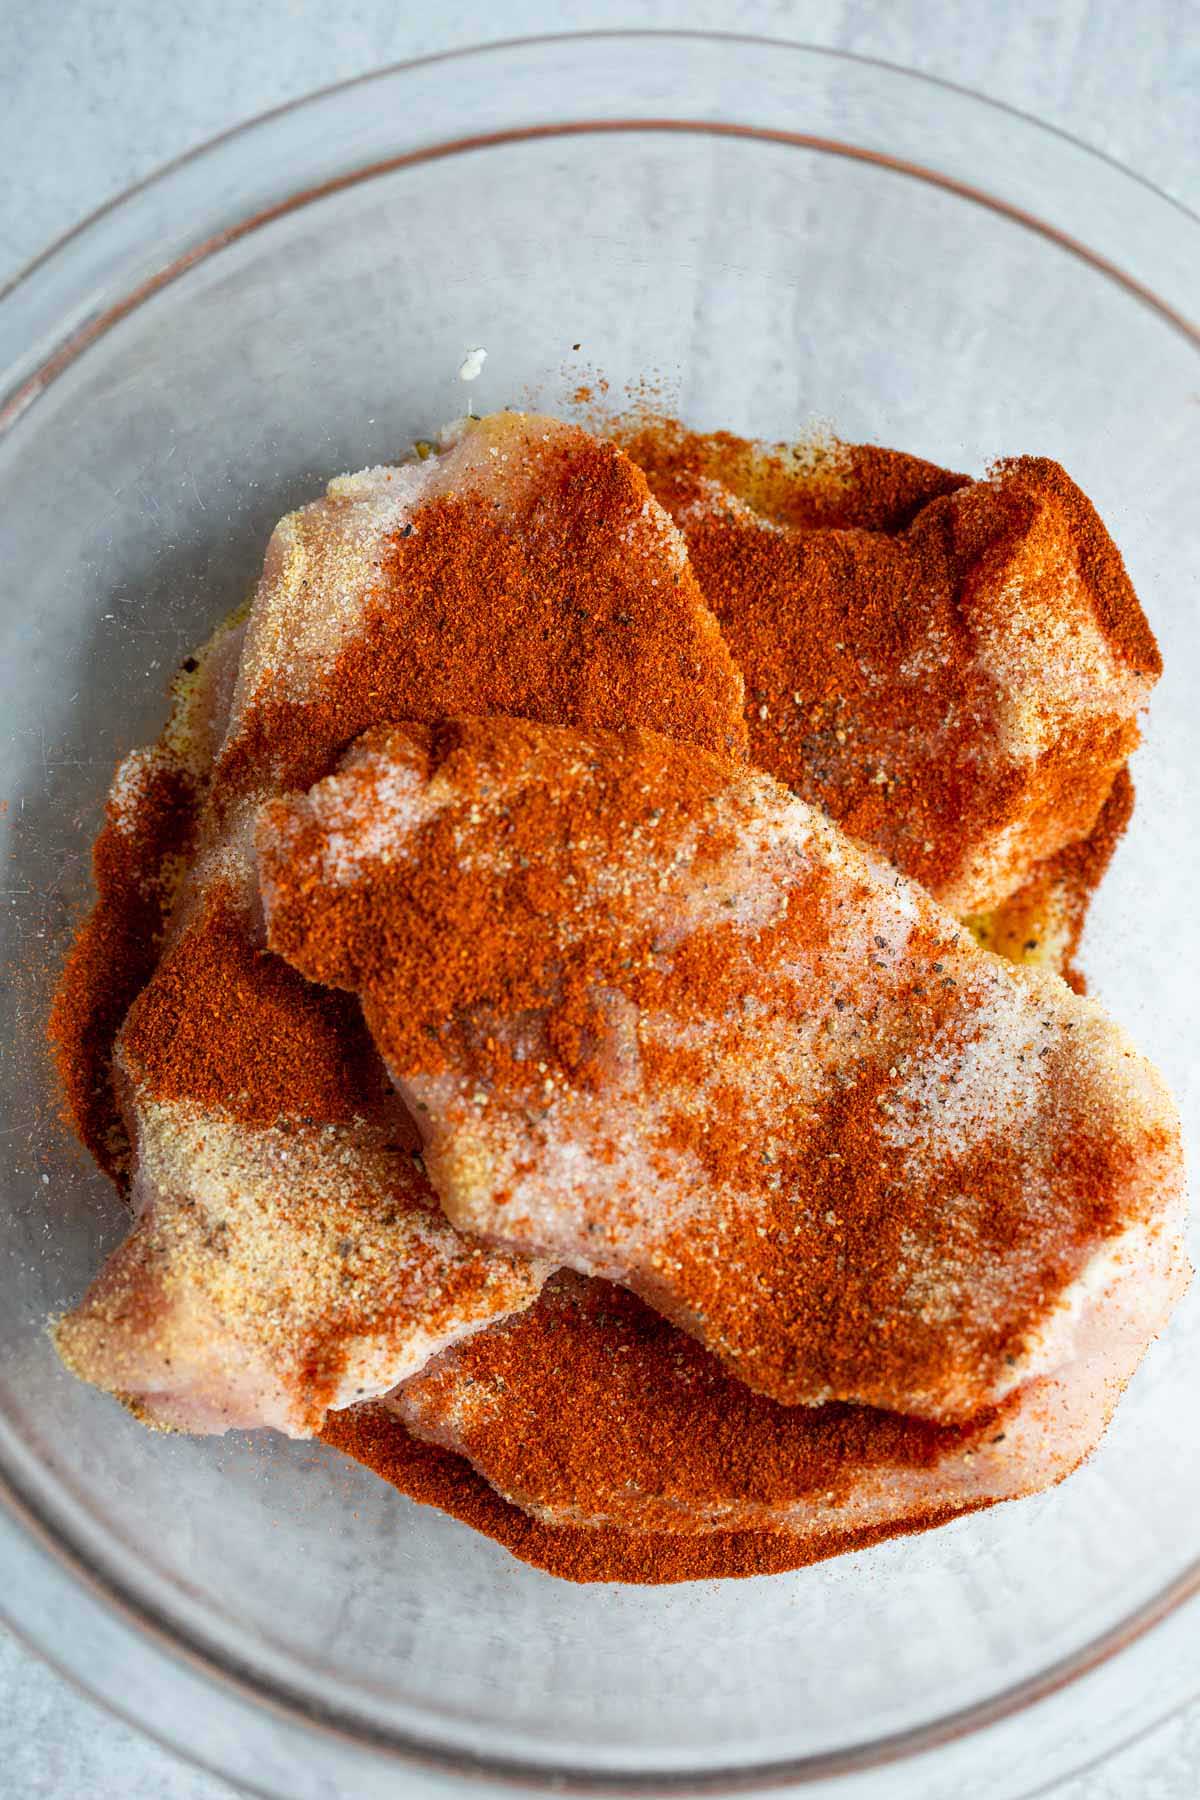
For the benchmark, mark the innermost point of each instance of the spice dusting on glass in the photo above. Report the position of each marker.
(582, 999)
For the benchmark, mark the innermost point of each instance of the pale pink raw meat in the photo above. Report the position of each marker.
(662, 1021)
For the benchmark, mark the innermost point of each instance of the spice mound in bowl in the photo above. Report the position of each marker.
(582, 999)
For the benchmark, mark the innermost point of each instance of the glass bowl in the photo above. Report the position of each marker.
(772, 236)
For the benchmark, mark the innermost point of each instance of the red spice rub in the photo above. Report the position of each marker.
(372, 1435)
(232, 1028)
(135, 864)
(659, 1019)
(952, 670)
(534, 575)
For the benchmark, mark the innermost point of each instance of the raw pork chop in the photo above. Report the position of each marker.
(951, 669)
(589, 1409)
(659, 1019)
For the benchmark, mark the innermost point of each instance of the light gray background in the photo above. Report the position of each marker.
(94, 96)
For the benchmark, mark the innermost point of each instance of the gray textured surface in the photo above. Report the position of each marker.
(95, 96)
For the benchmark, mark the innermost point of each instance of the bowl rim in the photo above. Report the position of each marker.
(368, 77)
(101, 305)
(17, 397)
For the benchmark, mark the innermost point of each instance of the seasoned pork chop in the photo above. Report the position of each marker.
(590, 1410)
(951, 669)
(659, 1019)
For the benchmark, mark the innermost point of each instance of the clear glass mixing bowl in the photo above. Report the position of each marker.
(775, 235)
